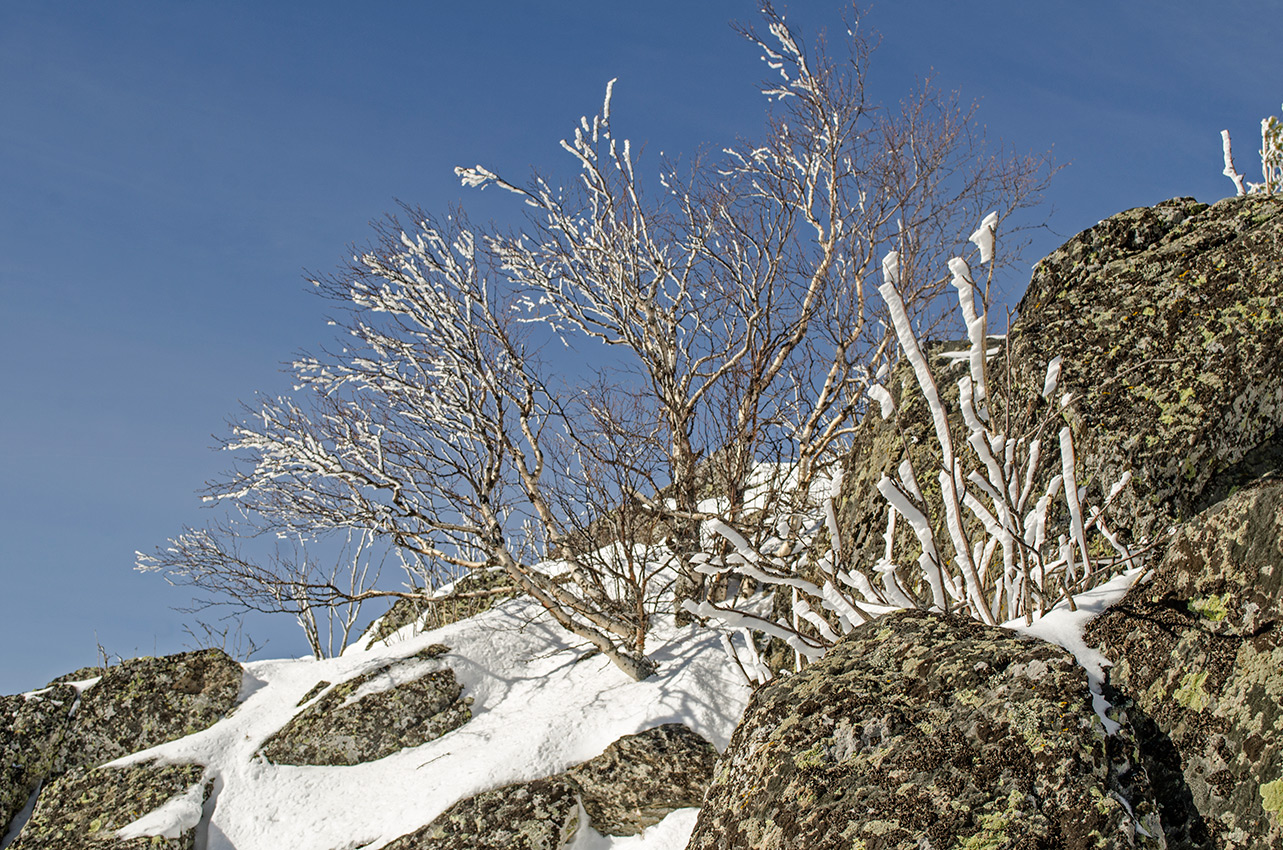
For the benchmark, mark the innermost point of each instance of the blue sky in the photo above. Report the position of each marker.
(169, 170)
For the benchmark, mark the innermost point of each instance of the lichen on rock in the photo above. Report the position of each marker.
(473, 593)
(539, 815)
(33, 728)
(86, 808)
(927, 728)
(641, 778)
(402, 704)
(1169, 319)
(1197, 656)
(143, 702)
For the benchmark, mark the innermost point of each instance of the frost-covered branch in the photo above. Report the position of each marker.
(998, 560)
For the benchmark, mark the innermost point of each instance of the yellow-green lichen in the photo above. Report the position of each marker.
(814, 757)
(1212, 607)
(1191, 694)
(1272, 796)
(993, 827)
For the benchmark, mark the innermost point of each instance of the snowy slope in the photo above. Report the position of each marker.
(540, 707)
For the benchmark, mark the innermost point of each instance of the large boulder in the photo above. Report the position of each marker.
(1170, 322)
(1198, 651)
(923, 730)
(143, 702)
(32, 731)
(538, 815)
(1170, 319)
(88, 808)
(402, 704)
(641, 778)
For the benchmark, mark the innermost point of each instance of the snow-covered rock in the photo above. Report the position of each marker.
(642, 778)
(401, 704)
(151, 805)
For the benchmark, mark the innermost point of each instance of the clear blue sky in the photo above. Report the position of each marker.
(168, 170)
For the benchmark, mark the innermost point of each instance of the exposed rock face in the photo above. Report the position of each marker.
(633, 784)
(32, 731)
(147, 701)
(85, 808)
(1170, 320)
(640, 778)
(476, 592)
(538, 815)
(1199, 652)
(400, 705)
(921, 728)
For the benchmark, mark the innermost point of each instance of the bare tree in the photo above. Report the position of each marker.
(739, 294)
(733, 300)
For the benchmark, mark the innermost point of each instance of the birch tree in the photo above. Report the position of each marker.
(729, 300)
(739, 291)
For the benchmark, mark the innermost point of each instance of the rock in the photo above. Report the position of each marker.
(640, 778)
(433, 614)
(147, 701)
(82, 674)
(922, 730)
(32, 731)
(403, 704)
(1198, 650)
(1170, 320)
(538, 815)
(85, 808)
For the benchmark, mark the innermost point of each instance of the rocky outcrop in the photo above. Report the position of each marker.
(473, 593)
(143, 702)
(641, 778)
(1170, 320)
(538, 815)
(1198, 660)
(32, 732)
(135, 705)
(88, 808)
(403, 704)
(922, 730)
(635, 783)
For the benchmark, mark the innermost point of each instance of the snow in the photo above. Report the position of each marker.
(542, 703)
(1064, 627)
(171, 820)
